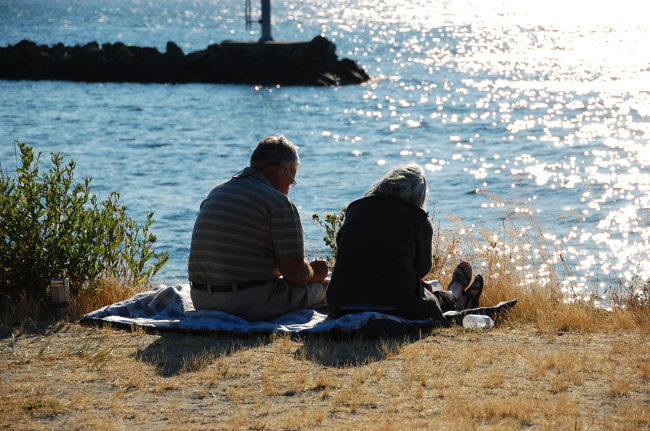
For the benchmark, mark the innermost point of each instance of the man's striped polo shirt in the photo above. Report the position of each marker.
(243, 227)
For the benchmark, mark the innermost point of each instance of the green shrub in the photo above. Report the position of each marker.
(332, 223)
(52, 227)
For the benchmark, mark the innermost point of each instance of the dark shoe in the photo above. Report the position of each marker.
(473, 293)
(462, 274)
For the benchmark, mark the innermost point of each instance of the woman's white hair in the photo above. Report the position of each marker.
(405, 181)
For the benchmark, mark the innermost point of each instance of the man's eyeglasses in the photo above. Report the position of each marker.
(292, 178)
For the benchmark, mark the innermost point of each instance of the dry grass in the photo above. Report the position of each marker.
(517, 261)
(512, 377)
(552, 364)
(103, 293)
(27, 311)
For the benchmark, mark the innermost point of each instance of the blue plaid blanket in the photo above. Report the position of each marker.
(170, 308)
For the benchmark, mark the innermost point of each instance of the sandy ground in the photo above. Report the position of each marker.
(73, 377)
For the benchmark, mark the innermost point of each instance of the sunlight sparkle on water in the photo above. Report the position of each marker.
(586, 98)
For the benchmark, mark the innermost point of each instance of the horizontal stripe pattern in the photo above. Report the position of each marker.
(243, 227)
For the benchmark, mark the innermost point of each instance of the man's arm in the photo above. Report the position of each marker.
(298, 272)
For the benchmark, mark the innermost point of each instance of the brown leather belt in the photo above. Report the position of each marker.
(227, 287)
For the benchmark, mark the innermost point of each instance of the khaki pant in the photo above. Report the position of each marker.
(265, 302)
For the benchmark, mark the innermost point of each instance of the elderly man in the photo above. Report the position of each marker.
(247, 253)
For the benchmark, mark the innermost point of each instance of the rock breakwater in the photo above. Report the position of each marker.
(312, 63)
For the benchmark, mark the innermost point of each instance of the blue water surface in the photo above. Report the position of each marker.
(493, 98)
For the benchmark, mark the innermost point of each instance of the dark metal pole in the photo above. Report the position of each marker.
(266, 21)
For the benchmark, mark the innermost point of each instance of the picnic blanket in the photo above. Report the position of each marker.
(170, 308)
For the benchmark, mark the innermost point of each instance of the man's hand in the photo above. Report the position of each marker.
(320, 269)
(299, 273)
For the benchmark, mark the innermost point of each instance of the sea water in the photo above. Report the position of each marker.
(523, 109)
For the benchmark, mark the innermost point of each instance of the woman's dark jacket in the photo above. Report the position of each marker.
(383, 251)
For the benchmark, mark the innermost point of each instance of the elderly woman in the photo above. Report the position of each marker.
(384, 251)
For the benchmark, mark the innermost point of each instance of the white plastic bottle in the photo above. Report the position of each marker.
(478, 321)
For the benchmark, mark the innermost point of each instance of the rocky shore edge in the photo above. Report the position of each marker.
(312, 63)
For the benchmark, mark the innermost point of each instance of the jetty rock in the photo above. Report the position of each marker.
(312, 63)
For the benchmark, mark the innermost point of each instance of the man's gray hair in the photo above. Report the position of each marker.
(275, 149)
(405, 181)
